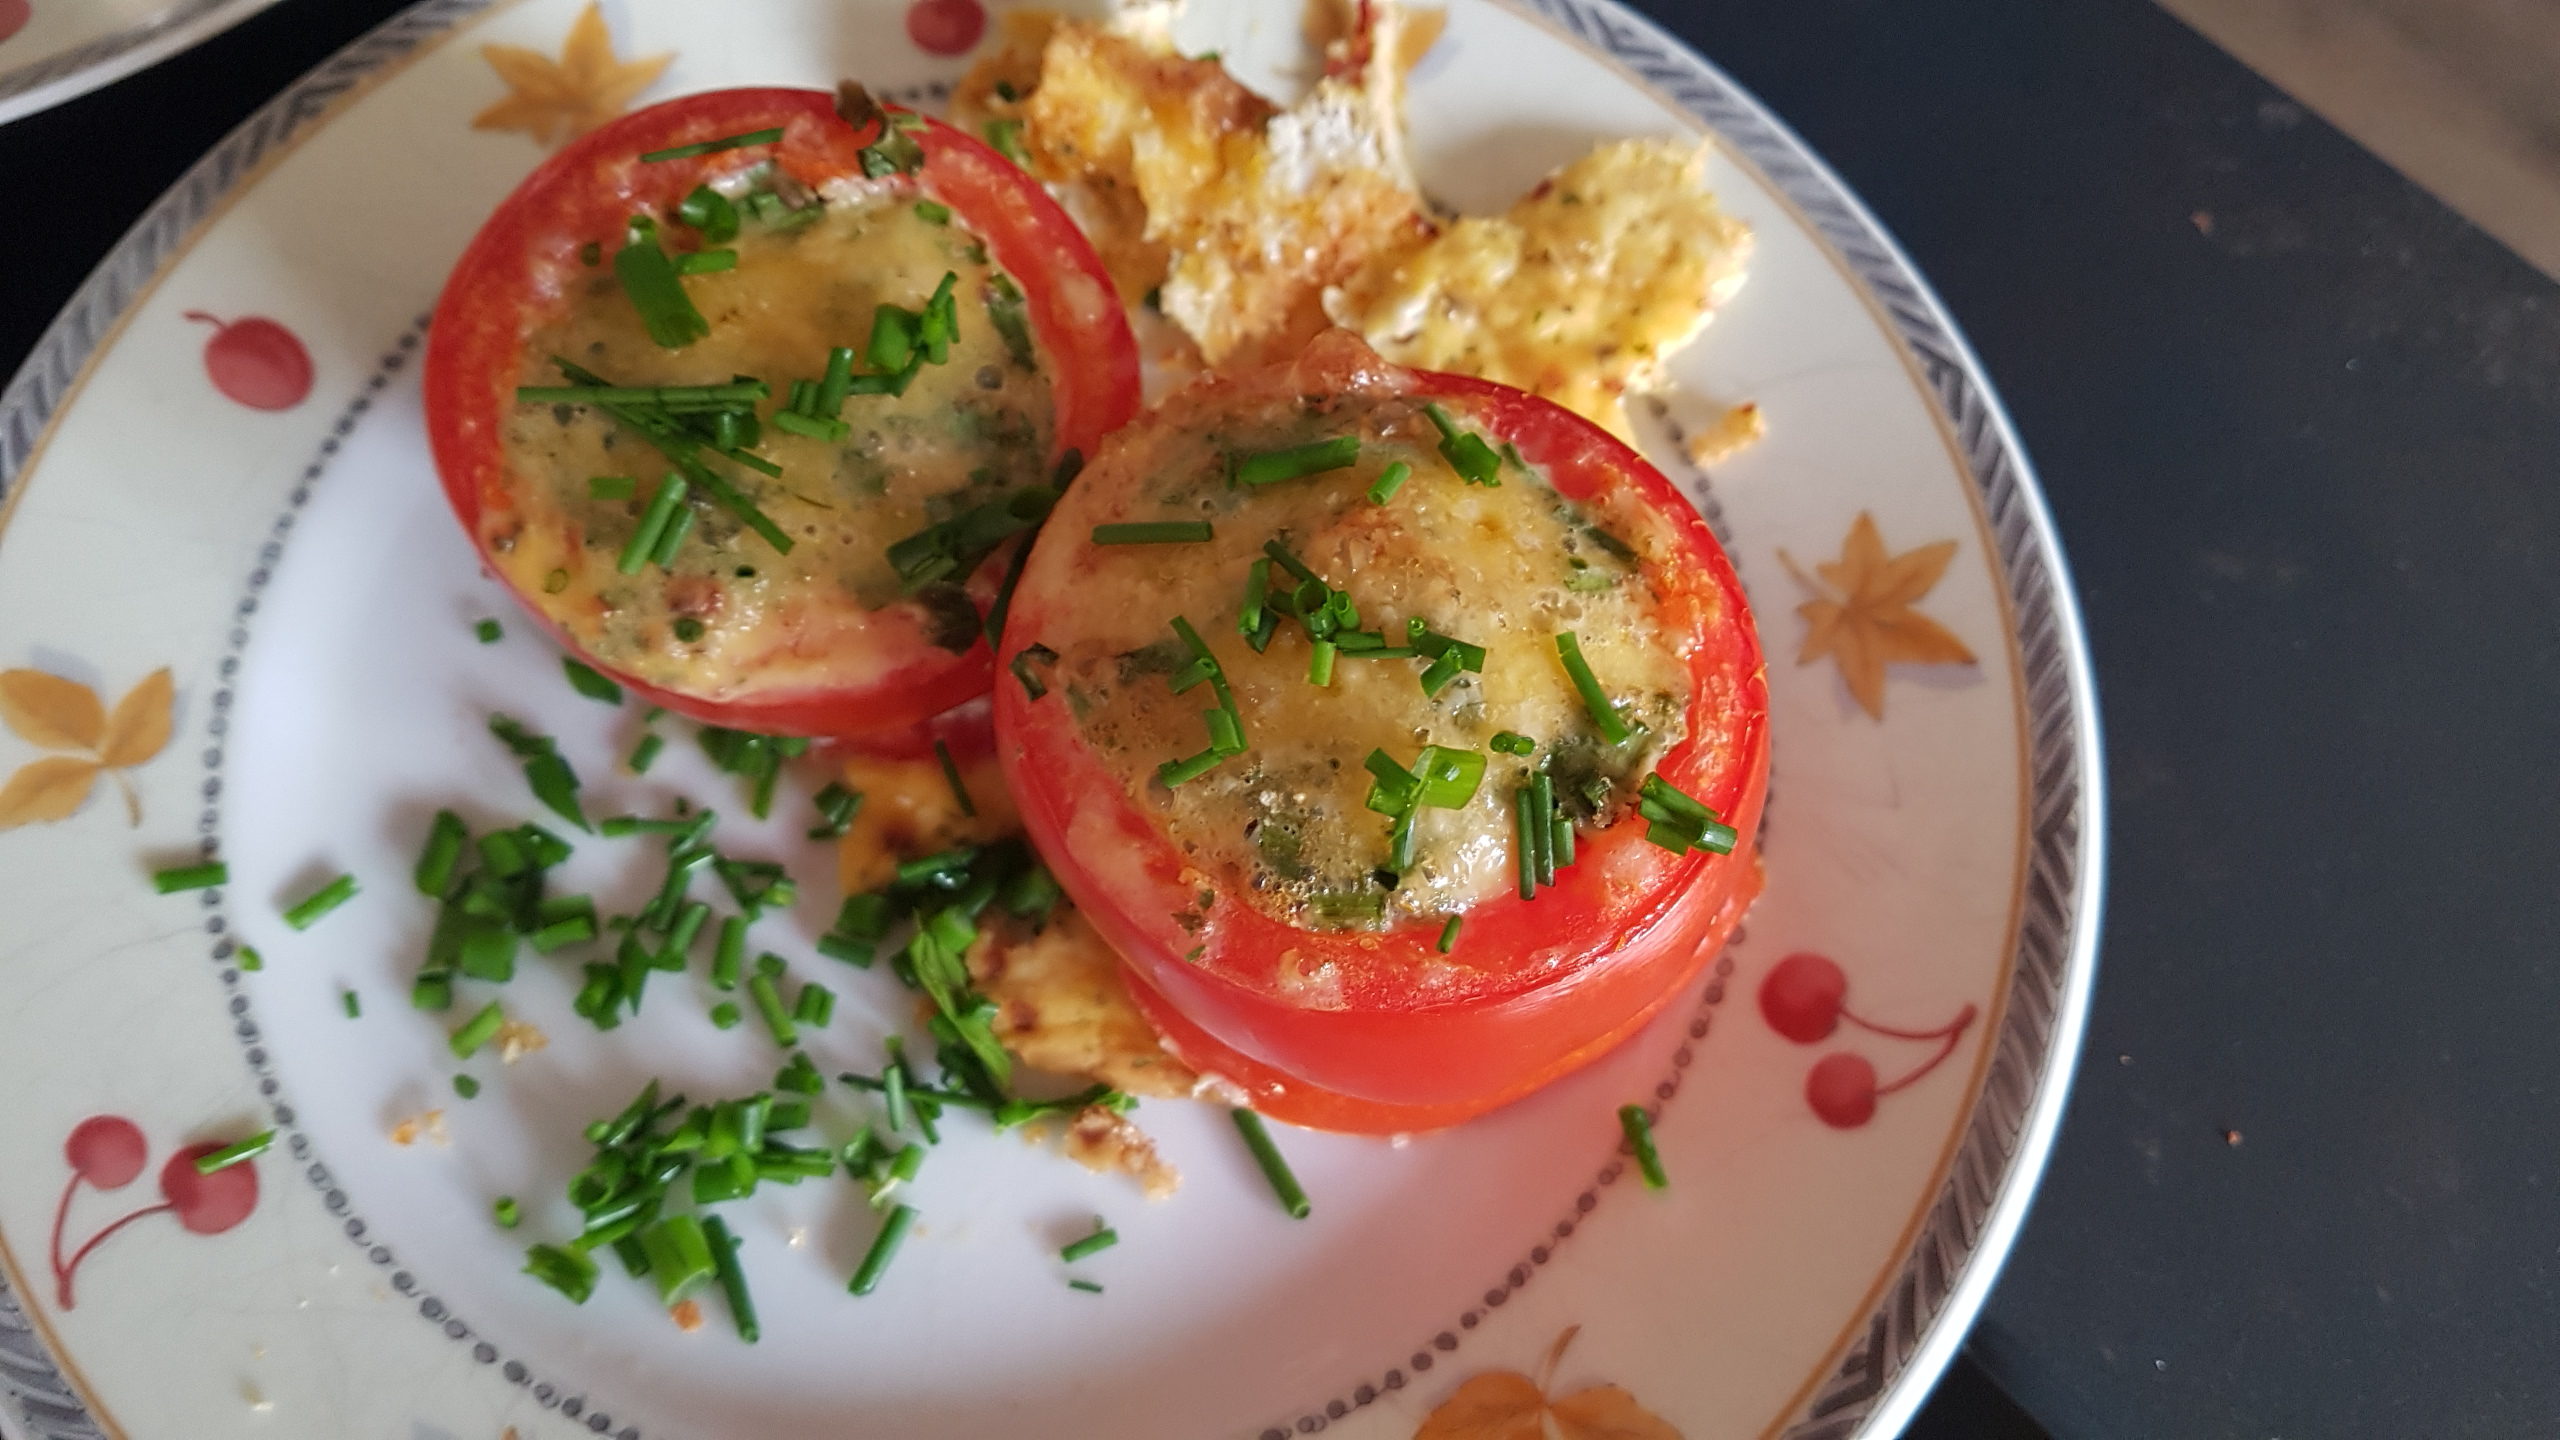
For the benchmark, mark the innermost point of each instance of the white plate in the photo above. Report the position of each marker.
(295, 569)
(54, 50)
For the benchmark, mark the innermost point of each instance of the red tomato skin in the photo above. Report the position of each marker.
(586, 191)
(1557, 981)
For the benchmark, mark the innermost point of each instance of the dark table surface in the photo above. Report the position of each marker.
(2294, 418)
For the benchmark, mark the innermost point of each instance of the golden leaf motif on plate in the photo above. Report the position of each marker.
(565, 98)
(58, 714)
(1507, 1405)
(1861, 613)
(50, 711)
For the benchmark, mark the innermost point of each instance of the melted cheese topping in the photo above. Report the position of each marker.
(1577, 294)
(1254, 224)
(1508, 567)
(963, 432)
(1237, 214)
(1061, 1005)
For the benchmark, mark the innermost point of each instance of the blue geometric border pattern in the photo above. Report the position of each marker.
(2039, 1036)
(104, 48)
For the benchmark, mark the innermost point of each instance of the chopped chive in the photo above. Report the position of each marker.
(1511, 742)
(1297, 462)
(884, 1248)
(565, 1269)
(649, 278)
(466, 1087)
(768, 1000)
(671, 539)
(1023, 660)
(1086, 1286)
(1159, 532)
(235, 1152)
(938, 324)
(1003, 605)
(1476, 462)
(434, 873)
(584, 679)
(1679, 823)
(1102, 1238)
(477, 1031)
(706, 262)
(432, 990)
(681, 452)
(645, 754)
(1595, 700)
(893, 338)
(893, 1092)
(729, 957)
(1005, 138)
(506, 1212)
(1320, 662)
(308, 912)
(732, 1278)
(802, 425)
(1524, 850)
(250, 960)
(191, 877)
(556, 786)
(1448, 777)
(951, 776)
(1542, 826)
(1639, 1128)
(561, 934)
(726, 1015)
(710, 212)
(1257, 595)
(612, 487)
(1348, 904)
(653, 525)
(836, 807)
(352, 1004)
(835, 384)
(1389, 481)
(1004, 308)
(933, 212)
(686, 629)
(1189, 767)
(1275, 1169)
(489, 632)
(736, 394)
(712, 147)
(814, 1006)
(614, 827)
(953, 549)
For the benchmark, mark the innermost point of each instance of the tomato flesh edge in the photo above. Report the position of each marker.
(585, 192)
(1384, 1059)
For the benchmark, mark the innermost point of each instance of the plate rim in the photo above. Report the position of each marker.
(1886, 1360)
(70, 74)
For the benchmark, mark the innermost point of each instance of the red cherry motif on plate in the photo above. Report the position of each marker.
(1804, 998)
(1801, 997)
(255, 361)
(939, 27)
(1842, 1089)
(14, 15)
(108, 1151)
(209, 1204)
